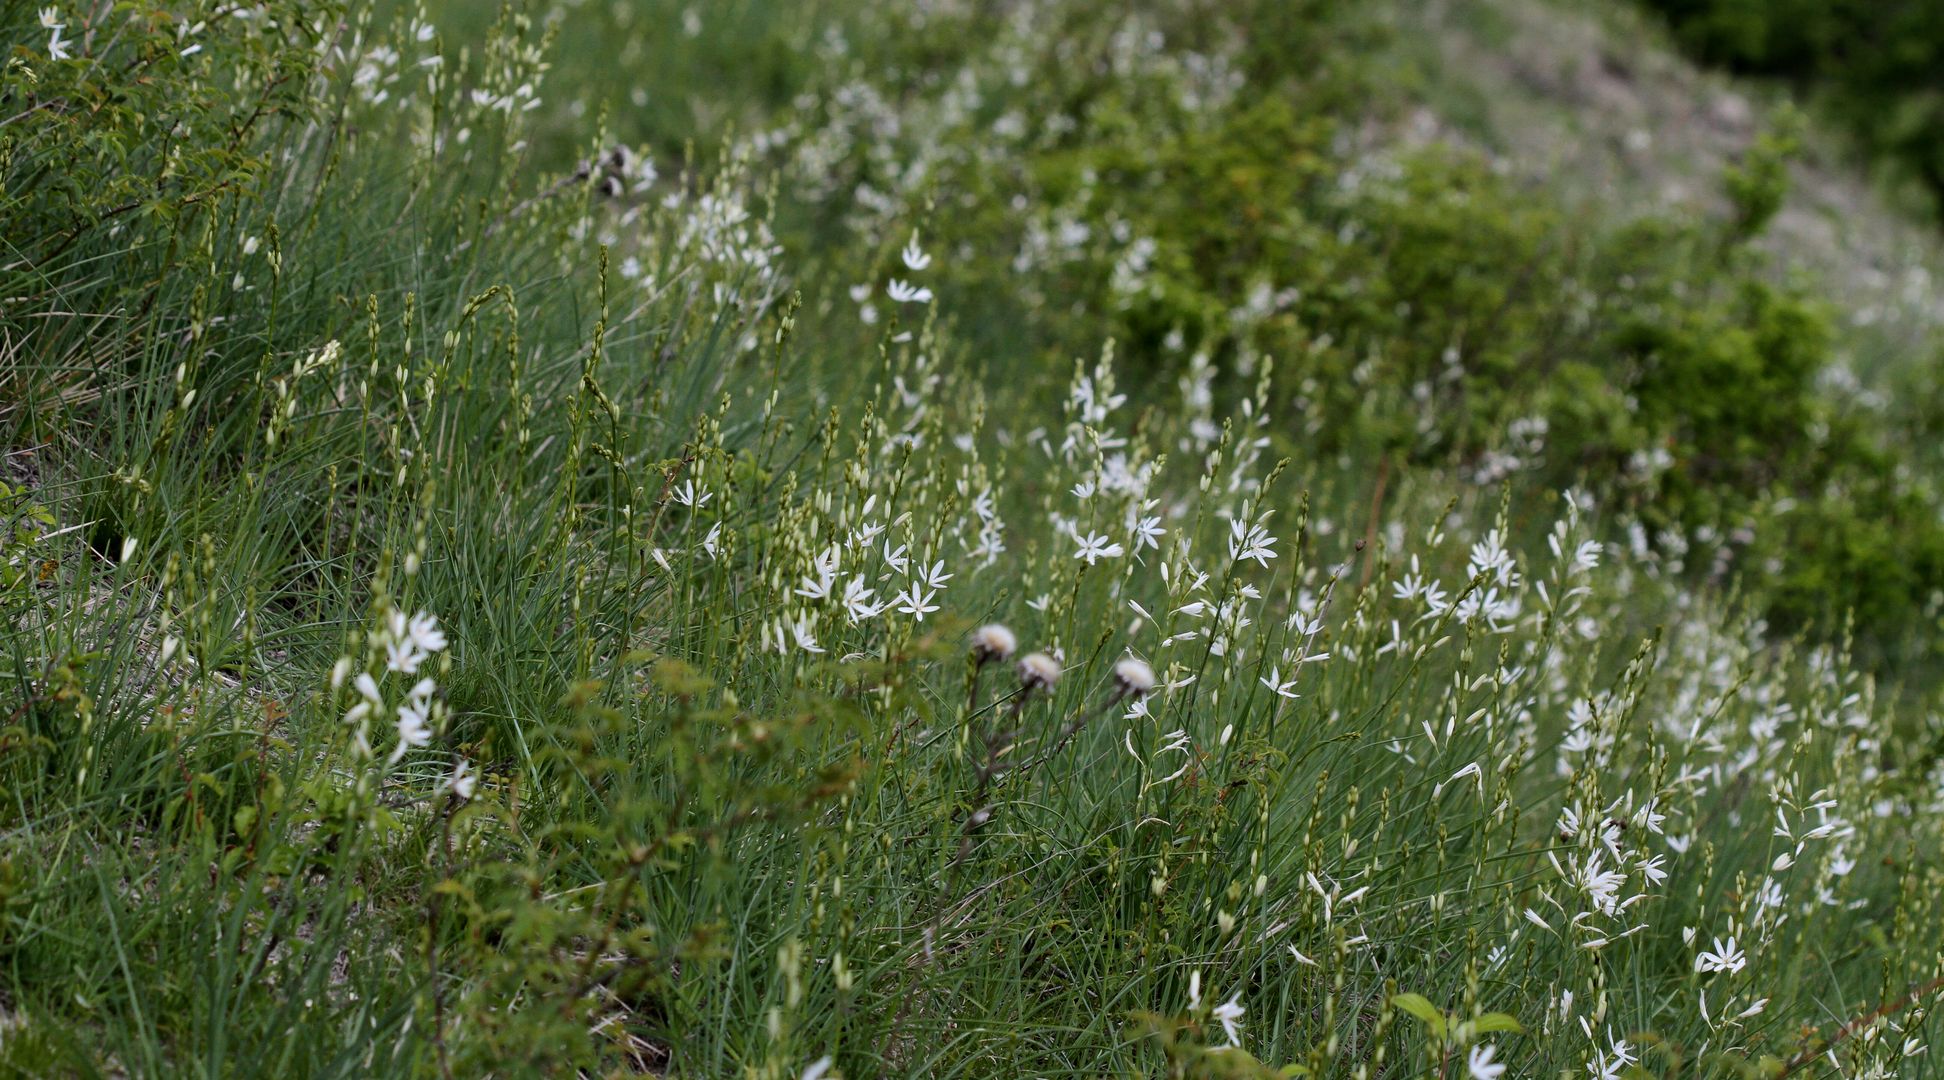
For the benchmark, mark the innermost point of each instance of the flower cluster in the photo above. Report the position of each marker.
(403, 644)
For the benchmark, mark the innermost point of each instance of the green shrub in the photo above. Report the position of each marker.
(1872, 64)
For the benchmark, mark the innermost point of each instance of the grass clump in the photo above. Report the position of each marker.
(491, 595)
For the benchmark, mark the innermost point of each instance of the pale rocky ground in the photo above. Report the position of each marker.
(1594, 103)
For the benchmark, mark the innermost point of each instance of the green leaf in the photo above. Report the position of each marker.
(1420, 1006)
(1496, 1021)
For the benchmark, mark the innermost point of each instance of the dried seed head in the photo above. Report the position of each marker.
(993, 642)
(1134, 676)
(1038, 671)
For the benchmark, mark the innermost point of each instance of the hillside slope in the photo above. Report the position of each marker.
(950, 539)
(1593, 102)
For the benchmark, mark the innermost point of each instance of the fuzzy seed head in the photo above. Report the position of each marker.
(993, 642)
(1134, 676)
(1038, 671)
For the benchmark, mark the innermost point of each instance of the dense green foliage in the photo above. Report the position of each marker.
(497, 507)
(1875, 65)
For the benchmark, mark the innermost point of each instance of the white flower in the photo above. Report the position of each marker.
(1094, 547)
(1609, 1066)
(1176, 741)
(993, 642)
(1602, 886)
(1038, 670)
(1728, 958)
(857, 601)
(1473, 770)
(910, 602)
(1134, 676)
(896, 560)
(463, 780)
(803, 632)
(58, 50)
(826, 563)
(403, 657)
(688, 496)
(904, 293)
(414, 729)
(1480, 1062)
(1587, 556)
(865, 533)
(913, 257)
(818, 1069)
(1230, 1014)
(1278, 685)
(423, 629)
(1250, 542)
(936, 577)
(1148, 532)
(50, 18)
